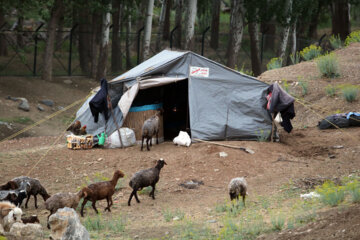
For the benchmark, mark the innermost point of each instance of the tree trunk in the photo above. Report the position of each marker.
(116, 56)
(236, 32)
(268, 29)
(84, 43)
(314, 22)
(340, 12)
(178, 23)
(147, 34)
(285, 37)
(49, 46)
(19, 29)
(191, 9)
(214, 42)
(160, 33)
(105, 31)
(293, 39)
(254, 46)
(3, 43)
(128, 39)
(94, 44)
(166, 31)
(59, 32)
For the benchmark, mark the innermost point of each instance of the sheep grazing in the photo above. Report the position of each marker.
(149, 129)
(35, 189)
(101, 190)
(238, 186)
(31, 219)
(9, 214)
(61, 200)
(145, 178)
(9, 185)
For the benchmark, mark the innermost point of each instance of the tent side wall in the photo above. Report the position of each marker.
(226, 104)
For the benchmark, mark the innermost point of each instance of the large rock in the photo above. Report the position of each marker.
(65, 225)
(47, 102)
(24, 105)
(20, 231)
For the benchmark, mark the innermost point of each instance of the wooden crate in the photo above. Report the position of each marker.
(79, 142)
(135, 121)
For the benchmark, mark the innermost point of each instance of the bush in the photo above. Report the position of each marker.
(304, 87)
(295, 59)
(310, 52)
(350, 93)
(277, 222)
(353, 37)
(274, 63)
(328, 66)
(330, 194)
(354, 191)
(330, 90)
(335, 42)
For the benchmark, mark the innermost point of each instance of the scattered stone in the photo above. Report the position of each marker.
(8, 125)
(12, 98)
(68, 81)
(216, 170)
(337, 147)
(20, 231)
(212, 221)
(177, 179)
(332, 156)
(40, 108)
(47, 102)
(60, 108)
(24, 105)
(65, 224)
(223, 154)
(136, 236)
(100, 159)
(176, 218)
(192, 184)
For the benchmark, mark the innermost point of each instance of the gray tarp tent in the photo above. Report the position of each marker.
(221, 103)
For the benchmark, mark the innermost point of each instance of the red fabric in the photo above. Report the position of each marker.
(268, 97)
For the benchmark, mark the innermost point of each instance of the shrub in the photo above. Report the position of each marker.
(354, 190)
(277, 221)
(274, 63)
(353, 37)
(330, 90)
(350, 93)
(295, 59)
(330, 194)
(335, 42)
(304, 87)
(310, 52)
(169, 215)
(328, 66)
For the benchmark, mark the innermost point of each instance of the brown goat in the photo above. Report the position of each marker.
(101, 190)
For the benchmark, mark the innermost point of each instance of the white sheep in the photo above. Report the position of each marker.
(9, 214)
(238, 186)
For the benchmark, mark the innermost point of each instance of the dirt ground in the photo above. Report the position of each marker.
(305, 152)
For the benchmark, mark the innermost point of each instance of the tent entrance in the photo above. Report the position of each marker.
(174, 99)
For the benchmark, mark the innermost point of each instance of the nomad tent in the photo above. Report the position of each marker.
(209, 100)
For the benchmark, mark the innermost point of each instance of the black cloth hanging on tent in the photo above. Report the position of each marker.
(98, 103)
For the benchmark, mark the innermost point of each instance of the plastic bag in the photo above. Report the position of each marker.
(127, 138)
(182, 139)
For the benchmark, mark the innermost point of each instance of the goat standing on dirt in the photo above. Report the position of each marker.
(151, 128)
(101, 190)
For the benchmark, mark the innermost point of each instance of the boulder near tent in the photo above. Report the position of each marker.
(209, 100)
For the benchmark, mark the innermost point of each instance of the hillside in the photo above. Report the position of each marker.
(277, 173)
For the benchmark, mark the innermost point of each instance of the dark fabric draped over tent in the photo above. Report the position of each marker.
(221, 103)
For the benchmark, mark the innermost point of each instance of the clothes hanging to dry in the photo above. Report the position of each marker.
(98, 103)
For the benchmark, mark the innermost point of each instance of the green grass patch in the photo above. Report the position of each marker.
(353, 188)
(277, 221)
(170, 215)
(97, 224)
(328, 66)
(330, 90)
(295, 59)
(20, 120)
(304, 87)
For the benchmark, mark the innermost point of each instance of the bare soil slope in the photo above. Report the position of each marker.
(305, 152)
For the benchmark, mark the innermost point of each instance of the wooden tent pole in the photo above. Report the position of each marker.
(225, 145)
